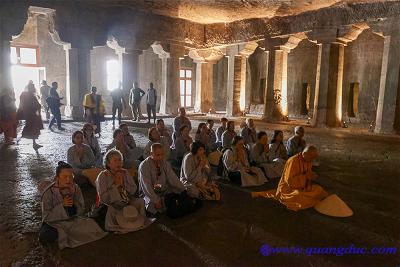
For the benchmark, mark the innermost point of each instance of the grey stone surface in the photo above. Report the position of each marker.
(361, 168)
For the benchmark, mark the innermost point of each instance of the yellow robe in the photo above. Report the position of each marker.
(291, 190)
(90, 104)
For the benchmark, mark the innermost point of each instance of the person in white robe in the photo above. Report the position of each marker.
(220, 130)
(91, 140)
(164, 131)
(213, 136)
(248, 132)
(237, 166)
(155, 137)
(296, 143)
(80, 157)
(179, 121)
(130, 160)
(117, 190)
(259, 155)
(157, 179)
(63, 208)
(277, 151)
(228, 135)
(196, 174)
(181, 146)
(135, 151)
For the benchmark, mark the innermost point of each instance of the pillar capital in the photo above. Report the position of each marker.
(211, 55)
(247, 49)
(159, 49)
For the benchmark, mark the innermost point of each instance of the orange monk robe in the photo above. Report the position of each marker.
(292, 190)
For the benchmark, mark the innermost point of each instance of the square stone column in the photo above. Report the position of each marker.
(204, 87)
(276, 107)
(388, 88)
(335, 85)
(172, 93)
(129, 71)
(78, 80)
(164, 85)
(236, 85)
(321, 86)
(5, 65)
(230, 87)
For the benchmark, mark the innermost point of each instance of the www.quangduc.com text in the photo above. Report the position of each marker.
(267, 250)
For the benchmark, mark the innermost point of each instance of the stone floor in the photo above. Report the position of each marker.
(361, 168)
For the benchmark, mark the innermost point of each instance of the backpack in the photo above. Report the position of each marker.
(221, 167)
(179, 205)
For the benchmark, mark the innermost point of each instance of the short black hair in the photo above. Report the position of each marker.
(61, 165)
(276, 133)
(116, 132)
(195, 146)
(75, 134)
(201, 125)
(236, 140)
(183, 128)
(149, 133)
(261, 134)
(122, 125)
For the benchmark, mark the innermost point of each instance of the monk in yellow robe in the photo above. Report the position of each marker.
(295, 189)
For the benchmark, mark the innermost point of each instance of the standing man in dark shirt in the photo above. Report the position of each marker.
(53, 101)
(117, 96)
(135, 96)
(151, 102)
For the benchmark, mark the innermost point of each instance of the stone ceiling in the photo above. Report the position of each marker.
(217, 11)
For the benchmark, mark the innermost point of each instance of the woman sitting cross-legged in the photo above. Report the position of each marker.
(196, 174)
(202, 136)
(237, 167)
(129, 159)
(277, 151)
(62, 209)
(91, 140)
(117, 190)
(181, 145)
(155, 137)
(260, 157)
(80, 157)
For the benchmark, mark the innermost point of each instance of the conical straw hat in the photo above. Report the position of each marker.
(333, 206)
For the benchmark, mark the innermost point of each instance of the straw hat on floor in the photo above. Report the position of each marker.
(333, 206)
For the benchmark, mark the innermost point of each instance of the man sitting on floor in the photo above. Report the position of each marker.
(295, 189)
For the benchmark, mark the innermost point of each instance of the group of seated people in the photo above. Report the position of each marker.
(133, 186)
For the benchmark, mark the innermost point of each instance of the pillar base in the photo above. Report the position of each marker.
(74, 112)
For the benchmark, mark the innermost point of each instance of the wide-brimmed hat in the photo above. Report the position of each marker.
(130, 219)
(333, 206)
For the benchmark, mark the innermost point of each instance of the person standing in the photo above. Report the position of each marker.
(117, 96)
(135, 96)
(44, 94)
(94, 108)
(151, 102)
(8, 116)
(29, 110)
(53, 101)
